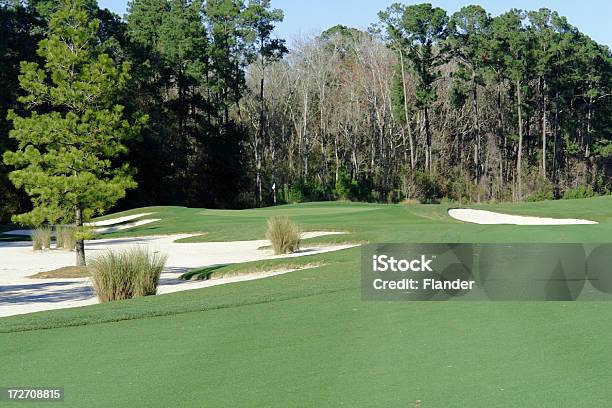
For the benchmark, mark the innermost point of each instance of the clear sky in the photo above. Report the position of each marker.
(310, 16)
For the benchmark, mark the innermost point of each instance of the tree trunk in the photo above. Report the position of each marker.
(544, 124)
(323, 130)
(273, 162)
(428, 158)
(260, 137)
(587, 143)
(80, 244)
(555, 136)
(258, 182)
(520, 146)
(305, 133)
(501, 137)
(372, 136)
(477, 138)
(411, 142)
(337, 157)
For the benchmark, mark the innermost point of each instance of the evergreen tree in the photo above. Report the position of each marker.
(69, 143)
(517, 49)
(182, 47)
(19, 27)
(260, 18)
(397, 40)
(421, 29)
(226, 53)
(470, 27)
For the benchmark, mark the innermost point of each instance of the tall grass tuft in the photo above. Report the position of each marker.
(59, 237)
(126, 274)
(284, 235)
(41, 238)
(149, 266)
(65, 237)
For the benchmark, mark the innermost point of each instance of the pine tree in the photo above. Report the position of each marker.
(69, 144)
(260, 19)
(397, 40)
(420, 30)
(469, 28)
(517, 45)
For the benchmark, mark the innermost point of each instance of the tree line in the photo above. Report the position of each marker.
(210, 109)
(427, 106)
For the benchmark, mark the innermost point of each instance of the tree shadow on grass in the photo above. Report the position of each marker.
(200, 273)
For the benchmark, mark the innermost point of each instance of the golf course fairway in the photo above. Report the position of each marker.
(306, 339)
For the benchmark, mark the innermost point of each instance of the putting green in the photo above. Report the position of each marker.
(307, 339)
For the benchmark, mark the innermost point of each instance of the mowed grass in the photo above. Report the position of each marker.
(306, 339)
(381, 223)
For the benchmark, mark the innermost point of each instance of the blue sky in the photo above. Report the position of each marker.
(309, 16)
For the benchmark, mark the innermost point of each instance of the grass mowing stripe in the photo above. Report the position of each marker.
(329, 351)
(216, 297)
(40, 325)
(306, 339)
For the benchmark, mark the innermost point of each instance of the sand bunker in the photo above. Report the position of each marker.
(128, 225)
(490, 218)
(20, 294)
(105, 226)
(117, 220)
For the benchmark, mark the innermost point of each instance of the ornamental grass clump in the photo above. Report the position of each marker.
(126, 274)
(41, 238)
(284, 235)
(65, 237)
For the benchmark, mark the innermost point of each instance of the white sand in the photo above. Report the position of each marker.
(490, 217)
(105, 225)
(118, 220)
(128, 225)
(20, 294)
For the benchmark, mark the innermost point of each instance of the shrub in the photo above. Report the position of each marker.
(459, 187)
(293, 194)
(127, 274)
(303, 191)
(579, 192)
(544, 191)
(427, 187)
(65, 237)
(342, 189)
(245, 199)
(41, 238)
(347, 188)
(536, 187)
(284, 235)
(314, 190)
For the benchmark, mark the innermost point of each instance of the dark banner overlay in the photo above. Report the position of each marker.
(523, 271)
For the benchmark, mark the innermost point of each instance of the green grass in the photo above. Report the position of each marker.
(375, 222)
(306, 338)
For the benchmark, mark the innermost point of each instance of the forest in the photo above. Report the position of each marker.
(423, 105)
